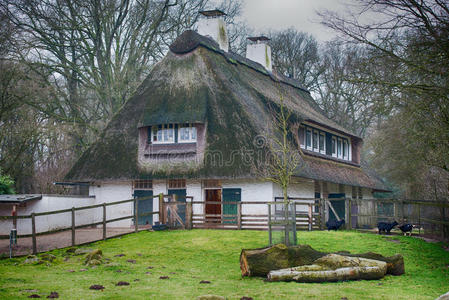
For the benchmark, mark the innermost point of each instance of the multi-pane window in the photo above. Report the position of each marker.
(186, 133)
(172, 133)
(177, 184)
(163, 134)
(325, 143)
(143, 184)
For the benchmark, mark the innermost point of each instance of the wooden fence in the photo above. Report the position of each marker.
(34, 234)
(310, 214)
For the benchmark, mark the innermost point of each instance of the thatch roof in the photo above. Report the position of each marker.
(198, 83)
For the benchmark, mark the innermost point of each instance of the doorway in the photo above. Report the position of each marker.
(144, 206)
(339, 206)
(213, 205)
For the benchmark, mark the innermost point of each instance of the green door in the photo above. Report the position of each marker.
(231, 195)
(338, 205)
(144, 206)
(180, 197)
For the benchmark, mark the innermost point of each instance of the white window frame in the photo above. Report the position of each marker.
(311, 139)
(334, 139)
(323, 135)
(191, 139)
(155, 131)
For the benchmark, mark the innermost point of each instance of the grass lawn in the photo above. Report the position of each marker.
(187, 257)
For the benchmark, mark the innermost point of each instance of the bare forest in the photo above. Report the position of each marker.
(67, 66)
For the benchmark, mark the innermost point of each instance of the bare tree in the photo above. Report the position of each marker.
(284, 158)
(408, 46)
(296, 55)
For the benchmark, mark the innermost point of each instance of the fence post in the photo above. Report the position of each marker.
(310, 216)
(239, 215)
(33, 232)
(73, 226)
(104, 221)
(161, 208)
(349, 213)
(189, 215)
(293, 208)
(402, 211)
(321, 213)
(136, 215)
(269, 225)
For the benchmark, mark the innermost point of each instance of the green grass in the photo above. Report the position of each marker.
(214, 256)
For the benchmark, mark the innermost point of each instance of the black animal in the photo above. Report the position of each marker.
(335, 225)
(406, 228)
(386, 227)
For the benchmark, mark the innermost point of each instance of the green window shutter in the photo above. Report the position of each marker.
(176, 133)
(328, 143)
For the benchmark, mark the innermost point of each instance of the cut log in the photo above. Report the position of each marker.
(259, 262)
(332, 267)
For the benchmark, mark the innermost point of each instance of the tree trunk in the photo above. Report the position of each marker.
(332, 267)
(259, 262)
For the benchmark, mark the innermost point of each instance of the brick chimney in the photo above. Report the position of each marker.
(212, 24)
(259, 51)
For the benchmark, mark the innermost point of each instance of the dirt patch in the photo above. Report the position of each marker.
(132, 261)
(119, 255)
(164, 277)
(120, 283)
(205, 281)
(53, 295)
(96, 287)
(246, 298)
(34, 296)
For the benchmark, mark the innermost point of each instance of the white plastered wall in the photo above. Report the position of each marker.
(106, 192)
(48, 222)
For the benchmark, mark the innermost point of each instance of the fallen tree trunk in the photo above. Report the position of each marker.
(259, 262)
(332, 267)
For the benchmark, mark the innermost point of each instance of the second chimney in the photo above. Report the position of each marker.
(259, 51)
(214, 26)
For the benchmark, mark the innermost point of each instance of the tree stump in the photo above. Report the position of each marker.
(259, 262)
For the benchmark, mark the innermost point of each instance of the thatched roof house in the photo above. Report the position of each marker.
(202, 111)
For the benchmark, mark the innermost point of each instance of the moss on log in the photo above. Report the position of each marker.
(259, 262)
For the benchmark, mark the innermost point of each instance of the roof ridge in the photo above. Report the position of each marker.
(189, 40)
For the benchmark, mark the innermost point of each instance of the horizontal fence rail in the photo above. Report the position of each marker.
(427, 217)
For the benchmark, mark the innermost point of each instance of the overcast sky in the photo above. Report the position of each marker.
(263, 15)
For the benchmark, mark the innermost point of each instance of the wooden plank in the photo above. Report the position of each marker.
(189, 215)
(239, 215)
(333, 210)
(33, 232)
(310, 220)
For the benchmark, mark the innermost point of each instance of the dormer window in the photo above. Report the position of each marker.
(163, 134)
(325, 143)
(187, 133)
